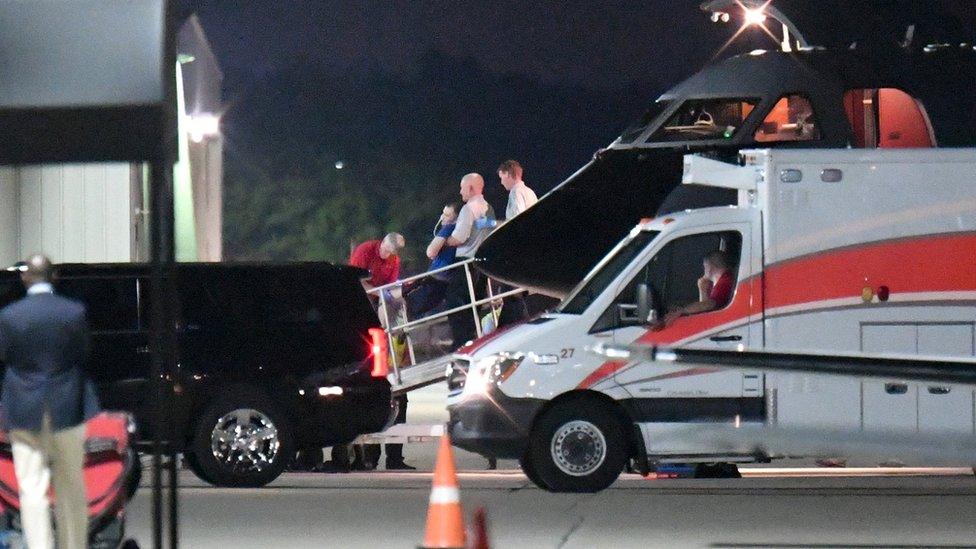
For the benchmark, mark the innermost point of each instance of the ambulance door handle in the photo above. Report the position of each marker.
(726, 338)
(896, 388)
(936, 390)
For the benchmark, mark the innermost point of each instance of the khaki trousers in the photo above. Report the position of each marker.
(37, 457)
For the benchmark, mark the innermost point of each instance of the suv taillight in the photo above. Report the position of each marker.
(379, 352)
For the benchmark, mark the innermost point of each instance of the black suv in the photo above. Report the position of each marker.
(272, 358)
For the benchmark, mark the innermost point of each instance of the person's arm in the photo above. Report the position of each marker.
(435, 246)
(462, 230)
(702, 306)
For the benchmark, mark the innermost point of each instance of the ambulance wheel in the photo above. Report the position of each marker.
(242, 440)
(578, 446)
(530, 473)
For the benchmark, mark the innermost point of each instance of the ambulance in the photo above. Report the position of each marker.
(831, 251)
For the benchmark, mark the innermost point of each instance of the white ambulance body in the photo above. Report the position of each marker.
(833, 251)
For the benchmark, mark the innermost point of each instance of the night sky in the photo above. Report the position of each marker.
(601, 45)
(412, 94)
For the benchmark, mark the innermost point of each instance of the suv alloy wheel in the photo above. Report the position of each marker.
(242, 440)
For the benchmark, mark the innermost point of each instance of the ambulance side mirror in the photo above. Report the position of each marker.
(640, 312)
(646, 313)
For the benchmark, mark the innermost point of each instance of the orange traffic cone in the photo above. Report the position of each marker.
(479, 531)
(445, 520)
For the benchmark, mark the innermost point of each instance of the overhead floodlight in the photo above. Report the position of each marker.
(755, 16)
(202, 126)
(722, 16)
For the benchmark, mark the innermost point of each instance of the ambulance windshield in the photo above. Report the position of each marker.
(606, 272)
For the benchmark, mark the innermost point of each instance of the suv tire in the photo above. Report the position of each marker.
(578, 446)
(242, 440)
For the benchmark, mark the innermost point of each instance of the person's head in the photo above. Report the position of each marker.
(510, 173)
(450, 213)
(715, 263)
(35, 270)
(471, 185)
(391, 245)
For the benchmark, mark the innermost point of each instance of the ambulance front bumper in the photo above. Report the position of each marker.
(493, 425)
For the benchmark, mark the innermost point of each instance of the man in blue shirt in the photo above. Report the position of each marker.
(429, 292)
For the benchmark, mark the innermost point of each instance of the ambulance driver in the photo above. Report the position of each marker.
(714, 287)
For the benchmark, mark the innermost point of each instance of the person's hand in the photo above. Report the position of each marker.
(705, 285)
(672, 316)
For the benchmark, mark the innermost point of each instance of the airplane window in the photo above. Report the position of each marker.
(791, 119)
(887, 118)
(701, 119)
(637, 128)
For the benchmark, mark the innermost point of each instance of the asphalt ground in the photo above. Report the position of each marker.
(769, 508)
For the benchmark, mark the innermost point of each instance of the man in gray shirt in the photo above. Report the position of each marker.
(467, 236)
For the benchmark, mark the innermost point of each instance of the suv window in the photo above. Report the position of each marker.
(673, 272)
(294, 302)
(111, 303)
(10, 291)
(214, 297)
(791, 119)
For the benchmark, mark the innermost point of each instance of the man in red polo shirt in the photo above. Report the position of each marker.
(715, 287)
(381, 258)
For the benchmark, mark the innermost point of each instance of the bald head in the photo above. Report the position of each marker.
(38, 269)
(471, 185)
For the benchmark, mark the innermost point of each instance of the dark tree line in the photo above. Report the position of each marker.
(404, 142)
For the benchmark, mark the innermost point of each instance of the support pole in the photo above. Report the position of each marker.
(474, 299)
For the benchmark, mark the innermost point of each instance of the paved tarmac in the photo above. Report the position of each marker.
(768, 509)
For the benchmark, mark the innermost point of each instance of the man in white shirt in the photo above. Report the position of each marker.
(520, 196)
(467, 236)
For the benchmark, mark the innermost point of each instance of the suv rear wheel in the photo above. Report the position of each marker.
(243, 440)
(577, 446)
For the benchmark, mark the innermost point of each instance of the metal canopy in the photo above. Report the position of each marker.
(94, 81)
(83, 81)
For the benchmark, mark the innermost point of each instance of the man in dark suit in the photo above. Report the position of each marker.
(46, 399)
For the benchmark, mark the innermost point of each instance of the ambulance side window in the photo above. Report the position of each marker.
(672, 275)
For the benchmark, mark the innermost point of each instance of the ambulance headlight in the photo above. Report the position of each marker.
(504, 367)
(490, 370)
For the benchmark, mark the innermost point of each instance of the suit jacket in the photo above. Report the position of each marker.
(44, 342)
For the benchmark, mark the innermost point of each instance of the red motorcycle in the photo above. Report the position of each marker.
(112, 471)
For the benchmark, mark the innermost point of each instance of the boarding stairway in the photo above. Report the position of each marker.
(427, 362)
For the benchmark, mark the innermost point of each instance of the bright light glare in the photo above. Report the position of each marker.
(201, 126)
(755, 16)
(326, 391)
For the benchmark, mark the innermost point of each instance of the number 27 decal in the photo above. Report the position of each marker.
(566, 353)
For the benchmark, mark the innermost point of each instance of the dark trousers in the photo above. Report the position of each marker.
(370, 453)
(425, 296)
(514, 309)
(462, 322)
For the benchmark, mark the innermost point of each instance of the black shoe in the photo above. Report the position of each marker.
(331, 467)
(362, 466)
(399, 466)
